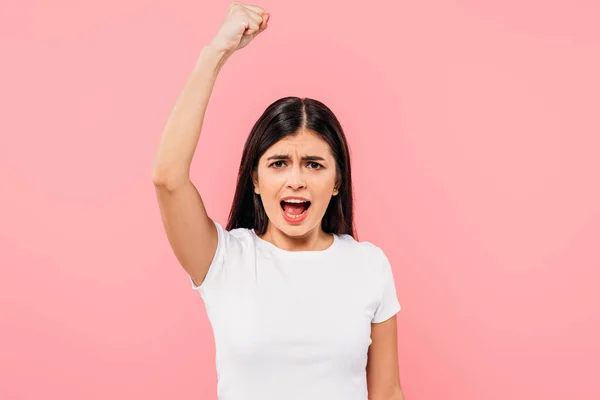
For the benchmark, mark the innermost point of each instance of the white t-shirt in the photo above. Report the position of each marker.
(294, 325)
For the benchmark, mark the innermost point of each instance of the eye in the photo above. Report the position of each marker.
(314, 165)
(277, 164)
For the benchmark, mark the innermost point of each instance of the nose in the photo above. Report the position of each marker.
(296, 180)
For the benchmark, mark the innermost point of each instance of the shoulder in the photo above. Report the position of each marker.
(363, 250)
(241, 236)
(364, 258)
(242, 233)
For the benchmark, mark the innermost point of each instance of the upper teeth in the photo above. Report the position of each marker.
(295, 201)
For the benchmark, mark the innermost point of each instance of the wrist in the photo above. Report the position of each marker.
(217, 50)
(213, 55)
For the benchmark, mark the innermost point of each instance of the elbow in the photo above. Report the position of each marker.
(166, 174)
(168, 180)
(159, 179)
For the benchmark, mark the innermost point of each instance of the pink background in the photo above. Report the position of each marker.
(474, 129)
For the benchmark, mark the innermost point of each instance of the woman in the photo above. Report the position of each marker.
(299, 308)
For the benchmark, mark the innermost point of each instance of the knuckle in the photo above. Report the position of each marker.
(239, 14)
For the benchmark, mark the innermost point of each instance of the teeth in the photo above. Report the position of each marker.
(295, 201)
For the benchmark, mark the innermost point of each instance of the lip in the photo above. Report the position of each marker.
(295, 221)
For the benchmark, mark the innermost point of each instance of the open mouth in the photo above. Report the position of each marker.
(294, 208)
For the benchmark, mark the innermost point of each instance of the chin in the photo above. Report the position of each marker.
(296, 230)
(292, 230)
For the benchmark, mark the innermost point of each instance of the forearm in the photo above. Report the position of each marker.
(181, 133)
(397, 394)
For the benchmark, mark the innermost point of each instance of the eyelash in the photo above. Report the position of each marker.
(319, 166)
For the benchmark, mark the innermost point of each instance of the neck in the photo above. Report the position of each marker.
(313, 240)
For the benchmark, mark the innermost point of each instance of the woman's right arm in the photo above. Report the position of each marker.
(191, 232)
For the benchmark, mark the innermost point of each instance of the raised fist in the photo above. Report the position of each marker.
(241, 24)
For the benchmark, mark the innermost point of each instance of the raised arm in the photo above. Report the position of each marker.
(190, 231)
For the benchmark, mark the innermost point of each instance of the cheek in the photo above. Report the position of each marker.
(323, 190)
(270, 187)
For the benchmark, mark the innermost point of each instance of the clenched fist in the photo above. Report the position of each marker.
(242, 23)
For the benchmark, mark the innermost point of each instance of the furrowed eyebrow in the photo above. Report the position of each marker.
(286, 157)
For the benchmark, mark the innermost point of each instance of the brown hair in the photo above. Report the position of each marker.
(285, 117)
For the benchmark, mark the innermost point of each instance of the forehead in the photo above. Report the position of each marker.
(304, 143)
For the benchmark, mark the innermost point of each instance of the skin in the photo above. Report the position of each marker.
(191, 231)
(383, 377)
(275, 178)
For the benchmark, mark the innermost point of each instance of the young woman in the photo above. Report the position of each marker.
(300, 309)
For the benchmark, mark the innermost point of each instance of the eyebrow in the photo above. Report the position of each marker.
(287, 157)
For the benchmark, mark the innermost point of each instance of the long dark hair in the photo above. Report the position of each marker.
(285, 117)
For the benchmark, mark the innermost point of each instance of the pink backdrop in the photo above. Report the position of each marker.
(475, 136)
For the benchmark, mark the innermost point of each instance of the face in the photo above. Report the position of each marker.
(296, 179)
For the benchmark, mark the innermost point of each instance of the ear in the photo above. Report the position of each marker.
(336, 187)
(255, 182)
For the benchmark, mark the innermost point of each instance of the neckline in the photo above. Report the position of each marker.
(296, 253)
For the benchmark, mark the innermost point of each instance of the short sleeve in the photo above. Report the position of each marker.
(218, 262)
(388, 304)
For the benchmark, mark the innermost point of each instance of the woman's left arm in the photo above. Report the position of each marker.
(383, 378)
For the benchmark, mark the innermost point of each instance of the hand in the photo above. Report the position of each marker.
(242, 24)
